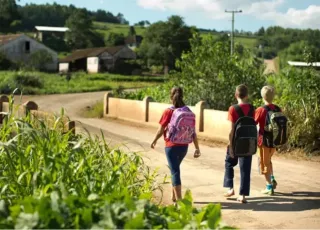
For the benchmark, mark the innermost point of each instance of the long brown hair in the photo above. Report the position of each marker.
(177, 97)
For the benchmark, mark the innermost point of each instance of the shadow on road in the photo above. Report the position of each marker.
(280, 202)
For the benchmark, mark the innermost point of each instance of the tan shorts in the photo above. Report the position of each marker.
(265, 155)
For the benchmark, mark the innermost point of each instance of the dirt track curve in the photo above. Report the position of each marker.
(296, 204)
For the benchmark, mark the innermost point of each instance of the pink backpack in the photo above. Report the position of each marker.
(181, 129)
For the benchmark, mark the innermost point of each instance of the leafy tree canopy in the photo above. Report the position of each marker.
(164, 42)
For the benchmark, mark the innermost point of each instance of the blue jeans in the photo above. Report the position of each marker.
(175, 155)
(245, 173)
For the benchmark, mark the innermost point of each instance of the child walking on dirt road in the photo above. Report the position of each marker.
(177, 124)
(242, 144)
(272, 133)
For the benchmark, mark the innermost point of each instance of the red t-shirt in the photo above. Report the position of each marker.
(260, 118)
(164, 121)
(233, 115)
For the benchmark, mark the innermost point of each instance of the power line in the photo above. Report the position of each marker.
(232, 31)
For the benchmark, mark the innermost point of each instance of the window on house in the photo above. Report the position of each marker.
(27, 47)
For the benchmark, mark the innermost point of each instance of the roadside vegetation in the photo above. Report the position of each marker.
(197, 59)
(51, 180)
(94, 111)
(45, 83)
(208, 73)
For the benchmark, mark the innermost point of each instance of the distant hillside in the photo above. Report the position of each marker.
(248, 42)
(106, 28)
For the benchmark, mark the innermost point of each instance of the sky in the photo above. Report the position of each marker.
(210, 14)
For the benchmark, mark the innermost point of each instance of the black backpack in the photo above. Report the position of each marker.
(275, 130)
(245, 138)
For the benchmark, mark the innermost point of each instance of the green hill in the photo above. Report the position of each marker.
(106, 28)
(248, 42)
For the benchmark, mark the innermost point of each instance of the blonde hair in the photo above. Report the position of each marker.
(268, 93)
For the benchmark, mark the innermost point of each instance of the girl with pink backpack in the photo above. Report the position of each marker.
(177, 125)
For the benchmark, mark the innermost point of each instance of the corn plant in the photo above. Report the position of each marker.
(36, 160)
(101, 212)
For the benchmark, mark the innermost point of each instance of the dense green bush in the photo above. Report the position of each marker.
(5, 64)
(298, 93)
(209, 73)
(108, 212)
(22, 79)
(39, 60)
(298, 51)
(38, 160)
(27, 82)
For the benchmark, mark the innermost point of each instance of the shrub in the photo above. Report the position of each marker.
(95, 111)
(113, 212)
(125, 67)
(5, 63)
(156, 69)
(39, 60)
(22, 79)
(208, 73)
(39, 160)
(298, 93)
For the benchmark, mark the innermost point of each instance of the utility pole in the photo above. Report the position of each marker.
(232, 32)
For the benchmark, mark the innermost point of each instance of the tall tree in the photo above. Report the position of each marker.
(121, 19)
(8, 14)
(80, 34)
(208, 71)
(261, 31)
(142, 23)
(115, 39)
(164, 42)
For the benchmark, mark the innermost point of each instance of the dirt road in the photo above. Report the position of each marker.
(296, 204)
(270, 66)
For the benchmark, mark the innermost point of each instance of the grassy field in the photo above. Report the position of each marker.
(44, 83)
(106, 28)
(248, 42)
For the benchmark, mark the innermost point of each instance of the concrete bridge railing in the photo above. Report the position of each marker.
(210, 123)
(30, 108)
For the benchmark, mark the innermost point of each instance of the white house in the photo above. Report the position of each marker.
(95, 60)
(20, 47)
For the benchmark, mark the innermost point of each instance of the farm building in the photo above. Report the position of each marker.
(304, 64)
(20, 47)
(96, 60)
(43, 32)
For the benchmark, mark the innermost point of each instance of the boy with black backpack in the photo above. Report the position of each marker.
(272, 133)
(243, 143)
